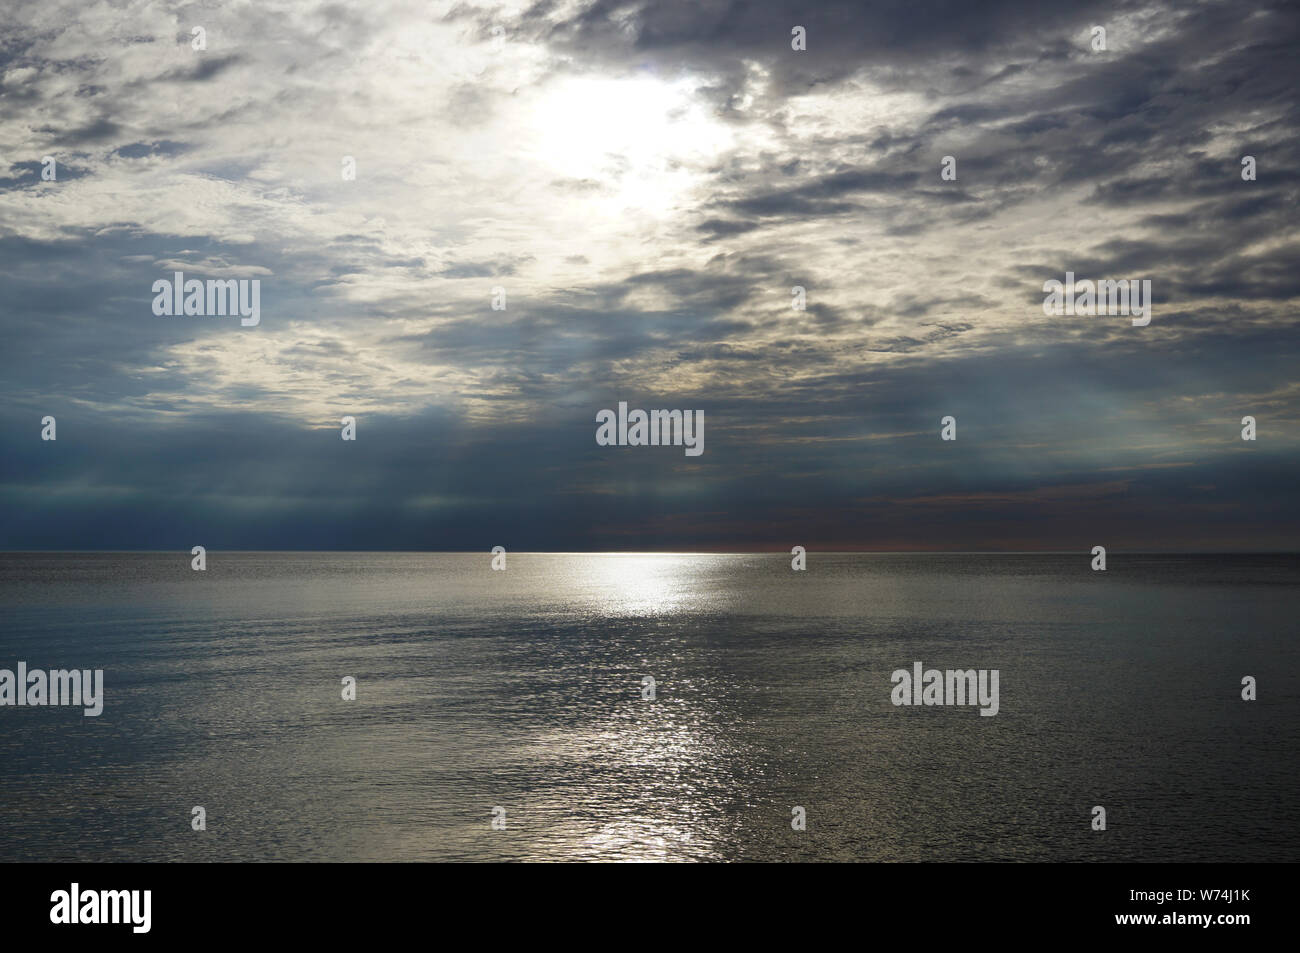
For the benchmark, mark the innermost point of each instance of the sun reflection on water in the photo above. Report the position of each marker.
(651, 783)
(644, 584)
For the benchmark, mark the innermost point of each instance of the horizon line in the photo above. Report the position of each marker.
(674, 552)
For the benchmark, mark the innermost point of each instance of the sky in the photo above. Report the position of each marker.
(646, 184)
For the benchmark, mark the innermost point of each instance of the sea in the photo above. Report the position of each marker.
(652, 707)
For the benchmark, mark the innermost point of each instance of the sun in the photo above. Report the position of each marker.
(638, 141)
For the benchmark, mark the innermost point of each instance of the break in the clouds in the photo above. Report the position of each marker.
(647, 183)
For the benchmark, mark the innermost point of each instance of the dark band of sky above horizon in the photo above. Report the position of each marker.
(647, 182)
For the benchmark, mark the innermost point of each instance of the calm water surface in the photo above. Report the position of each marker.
(522, 689)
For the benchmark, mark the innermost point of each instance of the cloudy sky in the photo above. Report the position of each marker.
(647, 182)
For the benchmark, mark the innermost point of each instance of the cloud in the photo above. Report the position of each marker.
(648, 182)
